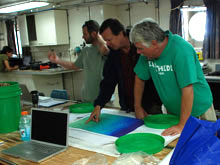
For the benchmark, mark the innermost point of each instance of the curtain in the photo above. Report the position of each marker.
(212, 35)
(175, 17)
(11, 34)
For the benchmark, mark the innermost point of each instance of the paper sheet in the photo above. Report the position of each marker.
(51, 102)
(110, 125)
(102, 143)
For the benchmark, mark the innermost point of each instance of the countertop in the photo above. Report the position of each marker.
(212, 78)
(53, 71)
(67, 157)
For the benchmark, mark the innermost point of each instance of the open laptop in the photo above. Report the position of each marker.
(26, 63)
(47, 102)
(49, 136)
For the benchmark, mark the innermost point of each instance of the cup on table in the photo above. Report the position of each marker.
(35, 98)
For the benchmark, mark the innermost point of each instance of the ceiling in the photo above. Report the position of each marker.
(77, 2)
(65, 4)
(71, 3)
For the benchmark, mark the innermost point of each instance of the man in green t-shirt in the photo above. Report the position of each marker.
(173, 65)
(91, 59)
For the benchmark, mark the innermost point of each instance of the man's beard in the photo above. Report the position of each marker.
(89, 40)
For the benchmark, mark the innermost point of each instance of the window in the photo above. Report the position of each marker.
(193, 21)
(197, 26)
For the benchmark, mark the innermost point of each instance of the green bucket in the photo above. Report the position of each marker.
(10, 108)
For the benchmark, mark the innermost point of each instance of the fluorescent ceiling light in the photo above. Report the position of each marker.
(22, 6)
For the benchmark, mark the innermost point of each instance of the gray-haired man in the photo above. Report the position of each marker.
(173, 65)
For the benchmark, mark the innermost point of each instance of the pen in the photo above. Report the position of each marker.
(7, 161)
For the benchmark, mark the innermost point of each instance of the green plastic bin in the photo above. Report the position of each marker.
(10, 108)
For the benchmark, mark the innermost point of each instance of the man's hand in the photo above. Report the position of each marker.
(140, 113)
(15, 67)
(174, 130)
(186, 109)
(101, 41)
(53, 57)
(95, 115)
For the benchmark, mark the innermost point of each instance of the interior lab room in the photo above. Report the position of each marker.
(109, 82)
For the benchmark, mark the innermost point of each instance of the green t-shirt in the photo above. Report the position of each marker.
(3, 57)
(92, 63)
(176, 68)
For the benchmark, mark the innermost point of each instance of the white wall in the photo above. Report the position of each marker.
(110, 11)
(194, 2)
(97, 13)
(77, 17)
(141, 10)
(164, 10)
(138, 11)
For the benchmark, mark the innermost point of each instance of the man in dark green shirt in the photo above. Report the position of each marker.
(174, 67)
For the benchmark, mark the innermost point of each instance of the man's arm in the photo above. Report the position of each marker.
(103, 48)
(107, 87)
(66, 64)
(138, 93)
(186, 109)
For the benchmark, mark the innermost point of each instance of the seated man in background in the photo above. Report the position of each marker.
(91, 59)
(119, 70)
(173, 65)
(5, 54)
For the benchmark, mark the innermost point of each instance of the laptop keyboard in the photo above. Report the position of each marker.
(42, 148)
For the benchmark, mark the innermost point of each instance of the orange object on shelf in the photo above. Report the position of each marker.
(44, 67)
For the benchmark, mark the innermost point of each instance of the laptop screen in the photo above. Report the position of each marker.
(26, 95)
(27, 60)
(49, 126)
